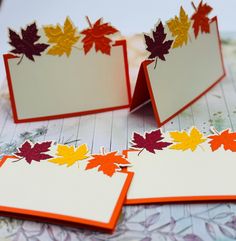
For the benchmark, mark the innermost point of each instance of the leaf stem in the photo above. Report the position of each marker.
(77, 48)
(103, 150)
(214, 131)
(140, 152)
(194, 6)
(190, 38)
(201, 147)
(90, 24)
(20, 59)
(68, 142)
(155, 64)
(18, 159)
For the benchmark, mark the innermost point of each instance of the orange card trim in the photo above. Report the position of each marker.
(52, 117)
(69, 220)
(138, 201)
(143, 68)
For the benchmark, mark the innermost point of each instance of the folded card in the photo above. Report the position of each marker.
(182, 166)
(64, 185)
(56, 71)
(185, 61)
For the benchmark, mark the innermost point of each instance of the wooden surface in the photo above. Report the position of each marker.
(113, 130)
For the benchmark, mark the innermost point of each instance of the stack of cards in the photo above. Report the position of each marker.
(67, 185)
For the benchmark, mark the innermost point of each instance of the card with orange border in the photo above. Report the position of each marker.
(181, 166)
(57, 71)
(63, 184)
(184, 62)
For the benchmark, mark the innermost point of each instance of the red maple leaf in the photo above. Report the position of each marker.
(200, 18)
(27, 44)
(108, 163)
(97, 34)
(151, 142)
(34, 152)
(157, 45)
(225, 138)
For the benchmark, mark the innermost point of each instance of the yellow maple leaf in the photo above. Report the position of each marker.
(63, 38)
(69, 154)
(187, 141)
(179, 27)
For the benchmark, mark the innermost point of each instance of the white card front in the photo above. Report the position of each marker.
(171, 175)
(60, 85)
(187, 73)
(81, 196)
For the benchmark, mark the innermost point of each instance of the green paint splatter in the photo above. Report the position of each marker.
(225, 41)
(217, 96)
(218, 123)
(186, 114)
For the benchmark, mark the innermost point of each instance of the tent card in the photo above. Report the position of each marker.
(57, 71)
(182, 166)
(63, 184)
(185, 61)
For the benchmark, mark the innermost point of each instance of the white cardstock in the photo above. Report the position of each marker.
(48, 187)
(187, 72)
(57, 85)
(173, 174)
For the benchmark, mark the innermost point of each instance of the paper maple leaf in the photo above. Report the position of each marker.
(26, 45)
(157, 45)
(108, 163)
(63, 37)
(225, 139)
(200, 18)
(187, 141)
(179, 27)
(97, 34)
(151, 142)
(34, 152)
(68, 155)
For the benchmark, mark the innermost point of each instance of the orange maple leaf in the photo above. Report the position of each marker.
(225, 138)
(108, 163)
(200, 18)
(97, 34)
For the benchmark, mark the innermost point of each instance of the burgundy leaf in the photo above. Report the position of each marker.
(35, 152)
(151, 142)
(210, 230)
(227, 232)
(157, 45)
(192, 237)
(26, 45)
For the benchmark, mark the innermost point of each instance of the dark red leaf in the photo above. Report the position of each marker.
(157, 45)
(151, 141)
(34, 152)
(26, 44)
